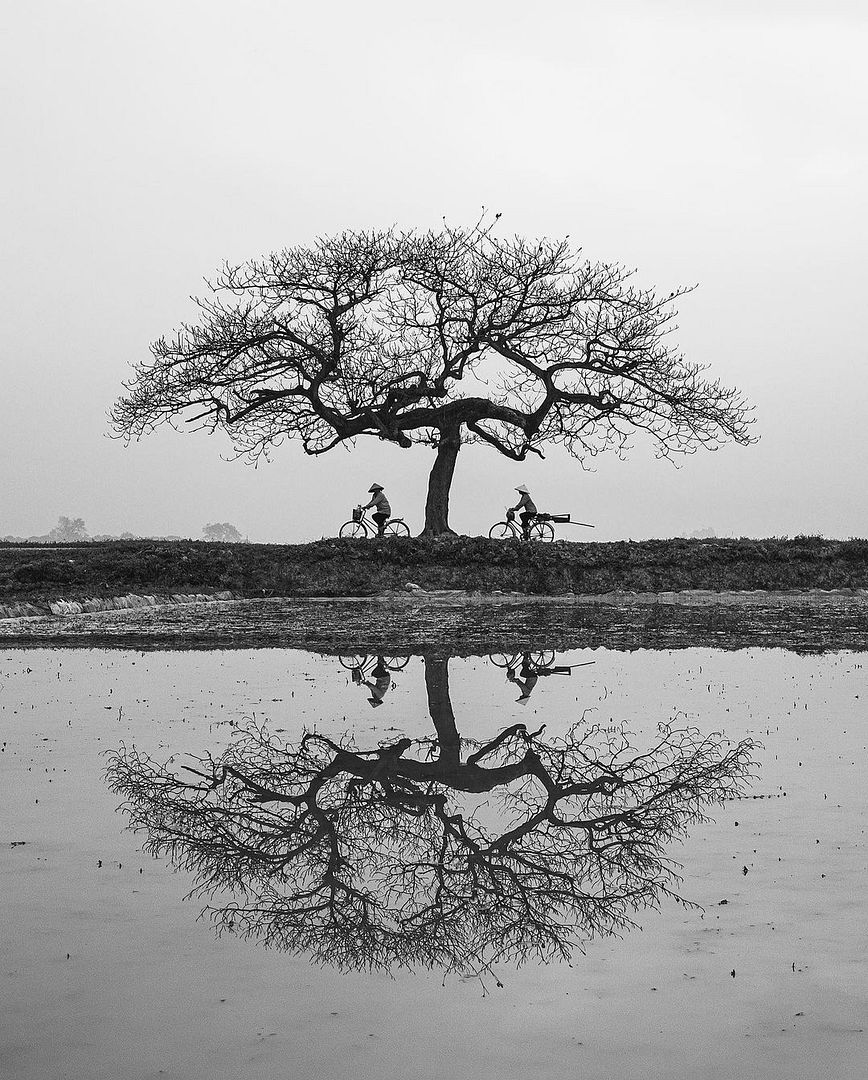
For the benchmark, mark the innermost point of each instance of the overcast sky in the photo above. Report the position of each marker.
(722, 143)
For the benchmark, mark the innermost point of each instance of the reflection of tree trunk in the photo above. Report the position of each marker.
(440, 708)
(439, 483)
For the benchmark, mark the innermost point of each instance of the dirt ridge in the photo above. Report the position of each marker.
(41, 574)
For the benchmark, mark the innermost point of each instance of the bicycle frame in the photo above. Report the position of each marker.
(366, 523)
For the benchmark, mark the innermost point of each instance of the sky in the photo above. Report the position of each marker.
(717, 143)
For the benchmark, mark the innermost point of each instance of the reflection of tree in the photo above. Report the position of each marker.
(447, 852)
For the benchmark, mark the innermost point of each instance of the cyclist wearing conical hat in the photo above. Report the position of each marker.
(527, 507)
(382, 511)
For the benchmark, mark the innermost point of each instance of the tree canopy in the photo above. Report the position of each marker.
(441, 337)
(69, 531)
(222, 531)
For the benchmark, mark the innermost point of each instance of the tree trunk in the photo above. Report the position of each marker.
(439, 483)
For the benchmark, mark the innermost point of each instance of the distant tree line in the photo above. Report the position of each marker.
(74, 531)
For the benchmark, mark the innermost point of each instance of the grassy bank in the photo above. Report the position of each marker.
(38, 573)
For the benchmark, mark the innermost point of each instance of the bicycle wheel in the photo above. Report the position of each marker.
(542, 532)
(501, 531)
(397, 528)
(351, 662)
(501, 660)
(542, 659)
(397, 663)
(354, 529)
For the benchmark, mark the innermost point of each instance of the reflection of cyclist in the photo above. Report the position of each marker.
(382, 681)
(383, 511)
(527, 507)
(525, 680)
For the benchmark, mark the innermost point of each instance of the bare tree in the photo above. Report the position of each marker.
(441, 338)
(446, 852)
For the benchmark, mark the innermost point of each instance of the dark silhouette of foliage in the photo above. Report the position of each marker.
(446, 853)
(442, 338)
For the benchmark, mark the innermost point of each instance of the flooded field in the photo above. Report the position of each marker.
(807, 621)
(466, 965)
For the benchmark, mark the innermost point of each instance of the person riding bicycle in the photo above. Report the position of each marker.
(383, 510)
(527, 507)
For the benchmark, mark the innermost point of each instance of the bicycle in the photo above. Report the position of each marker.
(514, 660)
(360, 526)
(539, 530)
(366, 664)
(540, 663)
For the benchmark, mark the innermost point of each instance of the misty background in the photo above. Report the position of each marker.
(718, 144)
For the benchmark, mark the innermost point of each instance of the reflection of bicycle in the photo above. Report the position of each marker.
(366, 664)
(360, 526)
(538, 663)
(538, 659)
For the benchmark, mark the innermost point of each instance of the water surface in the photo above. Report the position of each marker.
(109, 974)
